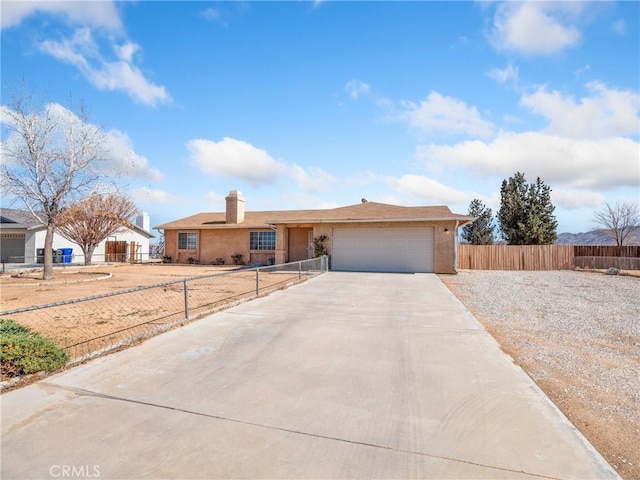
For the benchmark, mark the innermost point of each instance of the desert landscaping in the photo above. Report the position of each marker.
(87, 327)
(576, 334)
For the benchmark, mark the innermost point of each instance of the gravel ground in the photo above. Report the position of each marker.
(577, 334)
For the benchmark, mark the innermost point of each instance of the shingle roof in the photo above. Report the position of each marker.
(361, 212)
(23, 219)
(17, 219)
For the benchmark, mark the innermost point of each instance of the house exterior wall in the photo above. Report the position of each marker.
(291, 240)
(35, 240)
(217, 243)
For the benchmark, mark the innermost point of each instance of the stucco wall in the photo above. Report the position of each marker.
(216, 243)
(35, 240)
(223, 243)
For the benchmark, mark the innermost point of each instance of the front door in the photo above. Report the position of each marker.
(299, 244)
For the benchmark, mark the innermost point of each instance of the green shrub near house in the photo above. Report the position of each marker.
(24, 351)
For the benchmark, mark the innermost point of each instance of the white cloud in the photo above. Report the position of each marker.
(82, 52)
(606, 112)
(579, 163)
(125, 161)
(439, 113)
(571, 199)
(356, 89)
(312, 180)
(126, 51)
(149, 196)
(509, 74)
(97, 14)
(428, 190)
(216, 201)
(235, 158)
(116, 148)
(536, 28)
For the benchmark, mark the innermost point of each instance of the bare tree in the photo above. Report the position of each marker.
(50, 158)
(89, 221)
(618, 221)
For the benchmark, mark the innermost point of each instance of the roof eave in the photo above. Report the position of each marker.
(222, 226)
(375, 220)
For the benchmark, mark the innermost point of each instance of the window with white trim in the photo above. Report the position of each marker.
(187, 241)
(262, 240)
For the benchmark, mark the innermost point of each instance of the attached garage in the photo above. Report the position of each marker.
(12, 247)
(386, 249)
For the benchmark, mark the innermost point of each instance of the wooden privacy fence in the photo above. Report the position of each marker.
(603, 257)
(515, 257)
(115, 251)
(122, 251)
(547, 257)
(629, 251)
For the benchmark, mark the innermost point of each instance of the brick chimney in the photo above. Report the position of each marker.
(235, 207)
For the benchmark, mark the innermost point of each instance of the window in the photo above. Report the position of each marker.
(262, 240)
(187, 241)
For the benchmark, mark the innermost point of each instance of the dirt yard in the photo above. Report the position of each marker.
(86, 327)
(26, 288)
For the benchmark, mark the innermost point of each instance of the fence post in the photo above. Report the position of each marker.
(299, 271)
(257, 282)
(186, 300)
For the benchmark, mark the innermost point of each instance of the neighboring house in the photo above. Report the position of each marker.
(368, 236)
(22, 240)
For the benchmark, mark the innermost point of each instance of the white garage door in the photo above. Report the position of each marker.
(383, 249)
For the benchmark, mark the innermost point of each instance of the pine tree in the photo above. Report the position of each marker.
(526, 212)
(479, 232)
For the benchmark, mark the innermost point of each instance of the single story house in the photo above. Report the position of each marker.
(368, 236)
(22, 241)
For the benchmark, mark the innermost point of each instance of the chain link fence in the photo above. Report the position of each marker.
(90, 326)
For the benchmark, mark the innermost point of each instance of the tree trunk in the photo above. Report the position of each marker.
(48, 252)
(88, 253)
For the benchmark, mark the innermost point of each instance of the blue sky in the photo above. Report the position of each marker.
(319, 104)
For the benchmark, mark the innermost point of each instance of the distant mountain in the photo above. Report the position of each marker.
(595, 237)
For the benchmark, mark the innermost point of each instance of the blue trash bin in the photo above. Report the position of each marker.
(67, 253)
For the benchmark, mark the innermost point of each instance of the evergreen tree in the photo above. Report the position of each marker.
(479, 232)
(526, 212)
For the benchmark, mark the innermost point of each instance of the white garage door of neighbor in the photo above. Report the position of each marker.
(383, 249)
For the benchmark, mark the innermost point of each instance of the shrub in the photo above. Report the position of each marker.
(237, 259)
(319, 248)
(218, 261)
(25, 352)
(9, 327)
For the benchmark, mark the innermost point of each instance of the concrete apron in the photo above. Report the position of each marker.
(349, 375)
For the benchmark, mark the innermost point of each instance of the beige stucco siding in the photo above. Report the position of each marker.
(216, 243)
(291, 241)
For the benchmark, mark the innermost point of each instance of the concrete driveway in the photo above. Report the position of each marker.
(349, 375)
